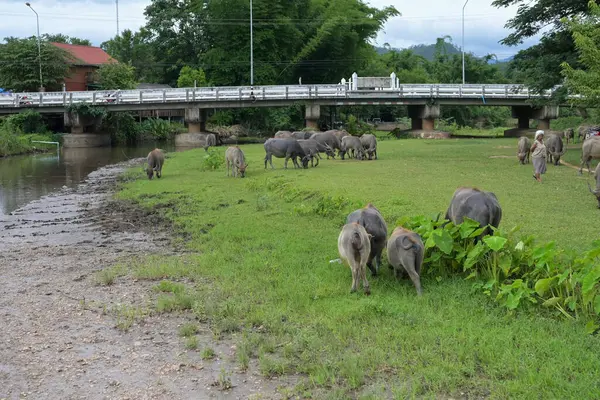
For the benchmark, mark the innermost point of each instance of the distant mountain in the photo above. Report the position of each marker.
(425, 50)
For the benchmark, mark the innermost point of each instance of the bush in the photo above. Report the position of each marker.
(358, 128)
(28, 121)
(213, 159)
(161, 129)
(123, 127)
(513, 271)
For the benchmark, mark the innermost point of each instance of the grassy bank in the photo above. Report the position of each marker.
(262, 274)
(11, 144)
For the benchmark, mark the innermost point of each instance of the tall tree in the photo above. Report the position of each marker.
(188, 77)
(134, 49)
(117, 76)
(20, 63)
(586, 35)
(60, 38)
(539, 66)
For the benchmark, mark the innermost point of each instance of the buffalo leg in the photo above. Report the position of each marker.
(286, 161)
(366, 287)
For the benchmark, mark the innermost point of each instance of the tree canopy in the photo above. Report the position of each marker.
(539, 66)
(188, 77)
(586, 36)
(20, 65)
(60, 38)
(117, 76)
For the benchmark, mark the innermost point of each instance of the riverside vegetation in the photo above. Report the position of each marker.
(506, 317)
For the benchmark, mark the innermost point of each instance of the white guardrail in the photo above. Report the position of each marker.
(264, 93)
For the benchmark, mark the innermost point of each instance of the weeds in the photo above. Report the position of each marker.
(188, 329)
(191, 343)
(208, 353)
(212, 160)
(107, 276)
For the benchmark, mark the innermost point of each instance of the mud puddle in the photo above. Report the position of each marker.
(59, 335)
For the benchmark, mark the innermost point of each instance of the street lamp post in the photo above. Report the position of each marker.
(117, 6)
(251, 53)
(37, 17)
(463, 42)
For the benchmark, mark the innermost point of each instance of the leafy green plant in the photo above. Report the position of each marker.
(86, 110)
(212, 160)
(29, 121)
(513, 271)
(160, 129)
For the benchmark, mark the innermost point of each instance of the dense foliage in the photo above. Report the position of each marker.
(117, 76)
(20, 65)
(586, 35)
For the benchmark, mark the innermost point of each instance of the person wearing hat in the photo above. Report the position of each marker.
(538, 155)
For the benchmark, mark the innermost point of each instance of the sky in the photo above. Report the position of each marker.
(421, 21)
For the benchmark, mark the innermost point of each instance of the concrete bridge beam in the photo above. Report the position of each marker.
(84, 131)
(195, 119)
(312, 113)
(423, 116)
(524, 113)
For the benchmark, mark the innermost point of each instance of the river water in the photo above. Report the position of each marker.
(27, 178)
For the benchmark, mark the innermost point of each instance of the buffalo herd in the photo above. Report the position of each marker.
(364, 236)
(555, 149)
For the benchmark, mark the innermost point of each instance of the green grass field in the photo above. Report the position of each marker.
(261, 274)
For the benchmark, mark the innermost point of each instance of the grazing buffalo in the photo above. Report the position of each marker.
(405, 251)
(302, 134)
(370, 218)
(327, 138)
(477, 205)
(369, 143)
(352, 145)
(283, 134)
(589, 150)
(156, 159)
(285, 148)
(354, 248)
(211, 140)
(523, 150)
(338, 133)
(569, 134)
(555, 148)
(235, 157)
(313, 148)
(596, 192)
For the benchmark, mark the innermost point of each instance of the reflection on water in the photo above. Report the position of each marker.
(27, 178)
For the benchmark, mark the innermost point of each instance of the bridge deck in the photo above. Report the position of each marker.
(246, 96)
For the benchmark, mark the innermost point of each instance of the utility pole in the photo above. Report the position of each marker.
(118, 30)
(37, 17)
(463, 42)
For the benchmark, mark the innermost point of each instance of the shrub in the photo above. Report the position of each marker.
(161, 129)
(28, 121)
(514, 271)
(356, 127)
(123, 127)
(213, 159)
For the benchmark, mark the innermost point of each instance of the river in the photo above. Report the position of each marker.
(29, 177)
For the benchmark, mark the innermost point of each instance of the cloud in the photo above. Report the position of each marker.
(421, 21)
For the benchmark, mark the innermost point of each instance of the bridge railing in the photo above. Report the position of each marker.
(266, 93)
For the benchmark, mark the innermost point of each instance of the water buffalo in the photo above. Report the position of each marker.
(369, 143)
(589, 150)
(596, 192)
(285, 148)
(211, 140)
(338, 133)
(583, 132)
(354, 248)
(156, 159)
(328, 139)
(523, 150)
(314, 148)
(352, 145)
(370, 218)
(235, 157)
(476, 204)
(405, 251)
(554, 148)
(283, 134)
(569, 134)
(302, 134)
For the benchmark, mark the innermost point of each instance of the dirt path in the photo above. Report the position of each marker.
(59, 339)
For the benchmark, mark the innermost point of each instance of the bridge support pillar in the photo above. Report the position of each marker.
(423, 116)
(524, 113)
(312, 113)
(84, 131)
(195, 119)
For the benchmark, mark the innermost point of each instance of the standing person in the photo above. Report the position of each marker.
(538, 154)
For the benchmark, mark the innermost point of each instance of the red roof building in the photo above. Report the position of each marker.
(86, 60)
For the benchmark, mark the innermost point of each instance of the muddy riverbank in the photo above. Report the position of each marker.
(59, 327)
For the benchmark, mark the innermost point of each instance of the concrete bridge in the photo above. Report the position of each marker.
(424, 101)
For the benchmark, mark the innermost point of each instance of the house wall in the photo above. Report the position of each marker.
(78, 78)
